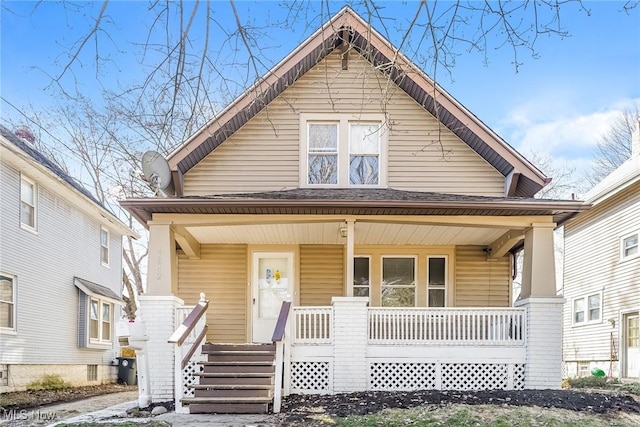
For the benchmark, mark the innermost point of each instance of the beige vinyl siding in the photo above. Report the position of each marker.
(321, 273)
(221, 273)
(592, 264)
(264, 155)
(481, 282)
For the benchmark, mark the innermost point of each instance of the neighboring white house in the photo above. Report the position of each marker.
(60, 273)
(602, 277)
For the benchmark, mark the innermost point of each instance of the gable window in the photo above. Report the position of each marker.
(437, 281)
(7, 303)
(587, 309)
(28, 203)
(629, 247)
(361, 275)
(104, 246)
(398, 282)
(342, 151)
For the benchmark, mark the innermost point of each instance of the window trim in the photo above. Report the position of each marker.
(585, 298)
(415, 276)
(34, 184)
(12, 330)
(446, 279)
(108, 247)
(624, 257)
(344, 121)
(354, 286)
(100, 341)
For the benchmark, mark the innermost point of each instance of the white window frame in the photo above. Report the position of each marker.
(623, 256)
(415, 277)
(11, 330)
(368, 257)
(343, 121)
(585, 299)
(107, 247)
(100, 340)
(34, 204)
(446, 278)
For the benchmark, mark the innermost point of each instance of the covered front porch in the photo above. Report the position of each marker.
(435, 309)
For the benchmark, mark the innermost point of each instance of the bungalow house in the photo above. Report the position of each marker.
(350, 185)
(60, 273)
(602, 277)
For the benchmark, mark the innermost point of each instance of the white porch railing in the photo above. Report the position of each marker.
(312, 325)
(405, 348)
(446, 326)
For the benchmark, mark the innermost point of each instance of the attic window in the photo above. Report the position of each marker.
(341, 151)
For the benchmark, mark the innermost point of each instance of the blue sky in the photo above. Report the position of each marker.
(558, 103)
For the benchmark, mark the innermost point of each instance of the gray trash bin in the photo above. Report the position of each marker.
(127, 372)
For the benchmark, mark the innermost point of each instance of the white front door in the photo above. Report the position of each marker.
(632, 344)
(273, 281)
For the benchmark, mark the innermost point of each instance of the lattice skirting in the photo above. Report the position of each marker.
(188, 374)
(445, 376)
(311, 377)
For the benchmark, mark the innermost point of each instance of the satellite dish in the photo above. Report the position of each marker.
(157, 171)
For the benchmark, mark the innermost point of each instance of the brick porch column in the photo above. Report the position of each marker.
(349, 344)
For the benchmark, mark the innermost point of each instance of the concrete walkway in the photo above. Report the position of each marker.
(112, 408)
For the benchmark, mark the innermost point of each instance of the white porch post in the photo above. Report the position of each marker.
(544, 309)
(350, 252)
(349, 344)
(158, 306)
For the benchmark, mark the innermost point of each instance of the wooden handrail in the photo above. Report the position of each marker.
(189, 323)
(194, 347)
(278, 332)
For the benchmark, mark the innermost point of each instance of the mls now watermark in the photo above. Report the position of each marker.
(24, 415)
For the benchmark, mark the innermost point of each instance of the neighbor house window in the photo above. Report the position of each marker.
(629, 247)
(340, 151)
(361, 274)
(587, 309)
(398, 282)
(104, 246)
(28, 203)
(437, 281)
(7, 302)
(100, 320)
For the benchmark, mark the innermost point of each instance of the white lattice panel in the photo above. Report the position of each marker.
(518, 376)
(402, 376)
(474, 376)
(188, 374)
(310, 377)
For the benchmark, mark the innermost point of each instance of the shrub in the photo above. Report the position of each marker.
(587, 382)
(49, 382)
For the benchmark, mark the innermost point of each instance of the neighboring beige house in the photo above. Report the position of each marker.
(60, 273)
(602, 277)
(387, 217)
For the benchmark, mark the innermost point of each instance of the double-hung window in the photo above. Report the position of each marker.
(629, 246)
(7, 303)
(437, 281)
(28, 203)
(398, 282)
(361, 277)
(587, 309)
(342, 152)
(100, 320)
(104, 246)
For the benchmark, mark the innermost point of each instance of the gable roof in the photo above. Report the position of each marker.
(347, 27)
(33, 156)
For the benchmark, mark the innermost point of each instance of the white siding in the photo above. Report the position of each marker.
(592, 264)
(264, 154)
(67, 244)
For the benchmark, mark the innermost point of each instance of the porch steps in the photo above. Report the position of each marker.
(235, 379)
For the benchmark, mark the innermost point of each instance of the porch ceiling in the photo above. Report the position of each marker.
(328, 233)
